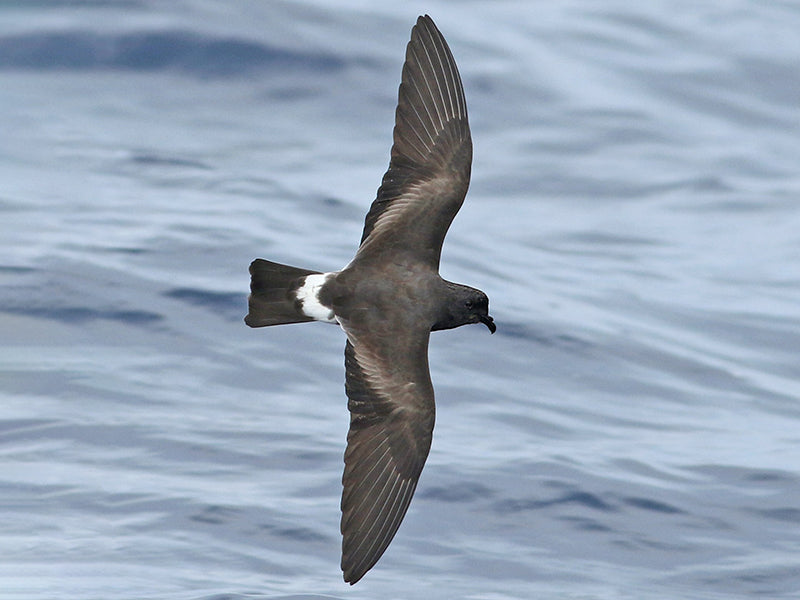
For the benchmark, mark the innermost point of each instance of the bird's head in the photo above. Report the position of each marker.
(476, 307)
(466, 305)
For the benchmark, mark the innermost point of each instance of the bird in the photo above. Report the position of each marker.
(389, 298)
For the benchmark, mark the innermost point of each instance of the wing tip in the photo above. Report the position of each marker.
(355, 566)
(351, 576)
(425, 22)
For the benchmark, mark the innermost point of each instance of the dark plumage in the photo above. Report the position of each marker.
(389, 299)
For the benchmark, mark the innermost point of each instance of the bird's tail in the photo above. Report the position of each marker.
(272, 300)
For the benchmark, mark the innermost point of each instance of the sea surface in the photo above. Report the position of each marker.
(632, 431)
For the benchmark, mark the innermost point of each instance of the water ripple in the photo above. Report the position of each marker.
(185, 51)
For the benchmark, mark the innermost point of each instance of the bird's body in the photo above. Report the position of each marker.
(389, 298)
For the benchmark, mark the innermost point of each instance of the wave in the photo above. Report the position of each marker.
(231, 305)
(82, 314)
(184, 51)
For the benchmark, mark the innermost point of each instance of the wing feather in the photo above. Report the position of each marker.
(391, 425)
(431, 156)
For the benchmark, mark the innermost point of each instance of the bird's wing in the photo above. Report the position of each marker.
(391, 424)
(431, 156)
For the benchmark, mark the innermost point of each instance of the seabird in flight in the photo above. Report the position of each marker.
(389, 298)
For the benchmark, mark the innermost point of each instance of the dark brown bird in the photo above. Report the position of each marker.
(389, 298)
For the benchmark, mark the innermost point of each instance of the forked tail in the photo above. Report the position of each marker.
(273, 297)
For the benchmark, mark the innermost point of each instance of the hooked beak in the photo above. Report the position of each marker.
(489, 322)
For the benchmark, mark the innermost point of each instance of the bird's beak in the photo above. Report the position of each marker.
(489, 322)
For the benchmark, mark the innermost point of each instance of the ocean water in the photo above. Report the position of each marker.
(632, 431)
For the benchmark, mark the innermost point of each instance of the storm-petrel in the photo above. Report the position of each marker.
(389, 298)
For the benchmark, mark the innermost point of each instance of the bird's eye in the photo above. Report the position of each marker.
(468, 304)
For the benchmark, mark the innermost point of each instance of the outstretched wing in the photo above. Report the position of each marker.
(431, 156)
(391, 424)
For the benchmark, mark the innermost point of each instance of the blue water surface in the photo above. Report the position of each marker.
(632, 431)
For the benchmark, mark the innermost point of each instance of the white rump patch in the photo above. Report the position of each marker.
(308, 295)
